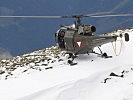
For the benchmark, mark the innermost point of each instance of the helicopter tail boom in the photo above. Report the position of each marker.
(100, 40)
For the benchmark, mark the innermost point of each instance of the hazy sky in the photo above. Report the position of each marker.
(20, 36)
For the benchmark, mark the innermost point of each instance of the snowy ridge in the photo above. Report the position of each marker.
(37, 61)
(93, 78)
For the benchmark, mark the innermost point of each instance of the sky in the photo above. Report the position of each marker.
(20, 35)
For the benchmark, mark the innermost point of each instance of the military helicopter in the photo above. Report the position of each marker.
(79, 38)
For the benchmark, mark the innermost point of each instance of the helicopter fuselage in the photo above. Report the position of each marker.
(81, 40)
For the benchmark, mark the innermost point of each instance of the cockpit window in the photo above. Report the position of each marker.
(60, 38)
(61, 33)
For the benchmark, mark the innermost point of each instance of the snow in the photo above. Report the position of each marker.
(91, 79)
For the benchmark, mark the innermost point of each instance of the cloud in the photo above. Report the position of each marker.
(120, 5)
(4, 54)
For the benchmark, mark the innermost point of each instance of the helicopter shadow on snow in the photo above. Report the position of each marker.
(86, 57)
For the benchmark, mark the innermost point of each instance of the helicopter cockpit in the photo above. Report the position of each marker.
(60, 37)
(65, 35)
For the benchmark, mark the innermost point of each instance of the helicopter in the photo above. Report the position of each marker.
(79, 38)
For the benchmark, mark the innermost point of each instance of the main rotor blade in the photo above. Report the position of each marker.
(86, 15)
(32, 17)
(54, 17)
(111, 15)
(95, 15)
(98, 14)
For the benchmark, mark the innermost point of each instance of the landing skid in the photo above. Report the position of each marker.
(71, 62)
(103, 55)
(72, 57)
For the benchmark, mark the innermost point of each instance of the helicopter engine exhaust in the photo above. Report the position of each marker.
(93, 29)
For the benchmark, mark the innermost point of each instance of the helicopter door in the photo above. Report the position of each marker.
(69, 41)
(60, 39)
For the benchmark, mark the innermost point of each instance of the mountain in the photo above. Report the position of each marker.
(16, 33)
(46, 75)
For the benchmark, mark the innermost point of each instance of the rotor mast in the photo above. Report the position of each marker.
(78, 20)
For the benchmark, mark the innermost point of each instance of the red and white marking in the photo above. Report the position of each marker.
(79, 43)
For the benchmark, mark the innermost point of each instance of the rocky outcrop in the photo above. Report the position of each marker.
(33, 60)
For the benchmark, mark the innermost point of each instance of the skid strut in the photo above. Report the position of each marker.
(104, 55)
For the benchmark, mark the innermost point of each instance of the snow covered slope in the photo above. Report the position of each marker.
(45, 75)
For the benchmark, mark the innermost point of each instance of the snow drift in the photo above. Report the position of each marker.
(45, 75)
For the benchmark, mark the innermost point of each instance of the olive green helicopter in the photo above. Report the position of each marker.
(79, 38)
